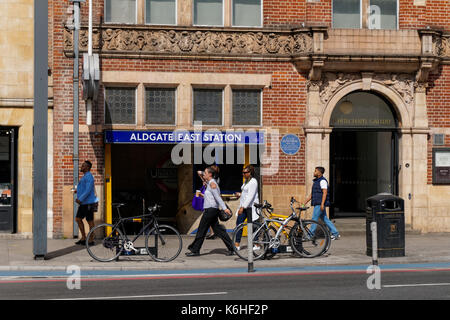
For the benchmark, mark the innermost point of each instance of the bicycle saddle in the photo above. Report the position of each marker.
(118, 204)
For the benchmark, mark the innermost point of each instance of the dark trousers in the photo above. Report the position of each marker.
(210, 218)
(241, 218)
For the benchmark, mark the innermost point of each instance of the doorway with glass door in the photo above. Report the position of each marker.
(8, 147)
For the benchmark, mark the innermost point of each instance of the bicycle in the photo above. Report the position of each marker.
(284, 236)
(163, 243)
(304, 242)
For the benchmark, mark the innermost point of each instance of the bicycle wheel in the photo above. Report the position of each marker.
(271, 252)
(164, 243)
(306, 243)
(108, 242)
(260, 241)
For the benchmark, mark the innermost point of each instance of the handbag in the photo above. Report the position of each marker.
(223, 216)
(197, 201)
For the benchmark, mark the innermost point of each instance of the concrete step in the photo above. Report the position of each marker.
(357, 226)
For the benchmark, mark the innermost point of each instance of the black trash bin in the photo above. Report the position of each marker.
(388, 212)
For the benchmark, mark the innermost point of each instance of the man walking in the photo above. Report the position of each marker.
(87, 200)
(320, 199)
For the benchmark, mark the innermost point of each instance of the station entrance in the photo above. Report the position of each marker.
(143, 175)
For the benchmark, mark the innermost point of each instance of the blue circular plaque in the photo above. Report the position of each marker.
(290, 144)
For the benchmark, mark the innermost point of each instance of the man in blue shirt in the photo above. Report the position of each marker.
(87, 200)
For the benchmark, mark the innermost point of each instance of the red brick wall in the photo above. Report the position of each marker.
(284, 102)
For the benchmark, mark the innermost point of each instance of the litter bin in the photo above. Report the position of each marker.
(388, 212)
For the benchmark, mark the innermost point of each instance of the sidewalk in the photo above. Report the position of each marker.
(17, 255)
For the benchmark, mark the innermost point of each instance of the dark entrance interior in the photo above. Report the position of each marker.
(363, 152)
(143, 175)
(8, 177)
(363, 164)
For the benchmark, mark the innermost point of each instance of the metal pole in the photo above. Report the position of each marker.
(40, 128)
(76, 10)
(373, 228)
(250, 240)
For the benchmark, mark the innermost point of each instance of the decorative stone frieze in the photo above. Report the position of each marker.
(332, 82)
(139, 40)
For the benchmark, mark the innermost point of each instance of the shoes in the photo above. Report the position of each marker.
(211, 237)
(192, 254)
(81, 242)
(229, 253)
(91, 243)
(335, 237)
(238, 248)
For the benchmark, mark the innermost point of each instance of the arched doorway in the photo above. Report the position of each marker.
(363, 152)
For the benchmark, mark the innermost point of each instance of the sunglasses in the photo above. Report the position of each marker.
(244, 172)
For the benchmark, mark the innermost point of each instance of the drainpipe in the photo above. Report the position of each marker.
(89, 101)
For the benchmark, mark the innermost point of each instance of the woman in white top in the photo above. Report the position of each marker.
(248, 196)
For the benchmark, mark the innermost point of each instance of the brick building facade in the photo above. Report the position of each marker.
(364, 85)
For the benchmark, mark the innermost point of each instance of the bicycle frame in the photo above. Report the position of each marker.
(281, 222)
(120, 224)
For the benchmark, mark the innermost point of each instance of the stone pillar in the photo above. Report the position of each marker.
(419, 180)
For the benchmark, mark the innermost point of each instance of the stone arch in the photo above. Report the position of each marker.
(399, 106)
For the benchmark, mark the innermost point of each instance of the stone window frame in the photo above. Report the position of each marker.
(183, 82)
(364, 17)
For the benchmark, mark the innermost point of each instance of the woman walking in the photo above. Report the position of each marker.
(212, 203)
(248, 197)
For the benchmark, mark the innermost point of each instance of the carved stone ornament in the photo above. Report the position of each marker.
(402, 83)
(122, 40)
(331, 83)
(442, 46)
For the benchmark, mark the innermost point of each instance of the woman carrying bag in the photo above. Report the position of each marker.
(248, 196)
(212, 205)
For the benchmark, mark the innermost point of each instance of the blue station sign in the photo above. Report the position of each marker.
(184, 136)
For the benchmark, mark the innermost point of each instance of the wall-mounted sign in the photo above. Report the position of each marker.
(290, 144)
(184, 136)
(441, 166)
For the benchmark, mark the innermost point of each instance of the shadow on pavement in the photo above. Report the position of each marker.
(63, 252)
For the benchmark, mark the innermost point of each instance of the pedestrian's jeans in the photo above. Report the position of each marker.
(317, 213)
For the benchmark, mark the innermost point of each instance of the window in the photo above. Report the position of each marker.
(160, 11)
(160, 106)
(372, 14)
(247, 107)
(346, 14)
(120, 106)
(208, 106)
(247, 13)
(120, 11)
(383, 14)
(208, 12)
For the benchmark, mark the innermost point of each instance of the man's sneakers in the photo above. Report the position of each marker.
(335, 237)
